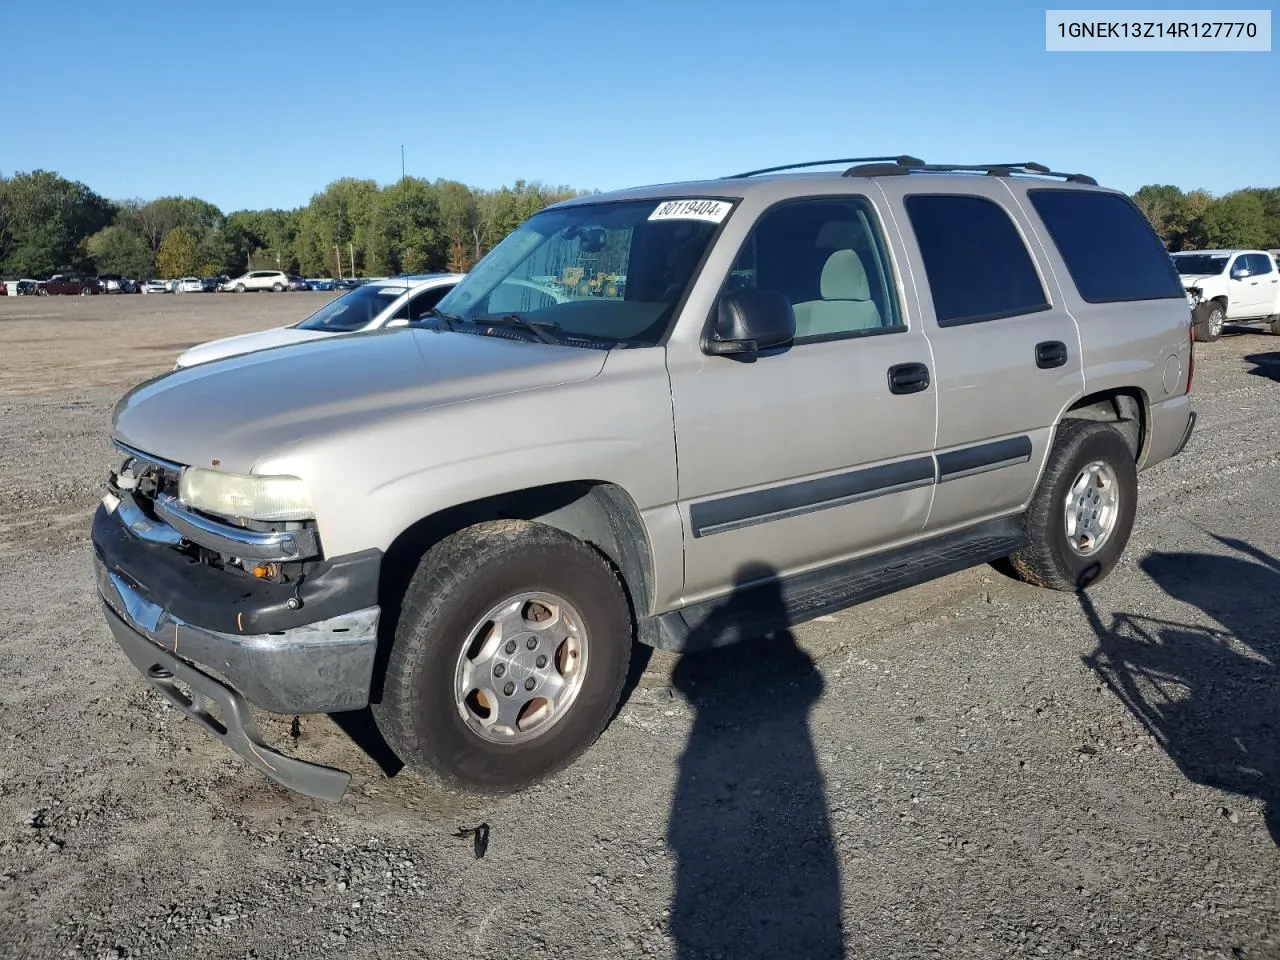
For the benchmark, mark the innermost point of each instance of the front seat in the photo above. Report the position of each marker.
(846, 303)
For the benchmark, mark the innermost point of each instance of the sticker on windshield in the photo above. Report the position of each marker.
(713, 211)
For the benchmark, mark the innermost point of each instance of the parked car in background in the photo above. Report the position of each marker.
(344, 283)
(155, 286)
(277, 281)
(296, 283)
(391, 302)
(213, 284)
(188, 285)
(316, 283)
(1230, 286)
(4, 289)
(28, 288)
(70, 285)
(111, 282)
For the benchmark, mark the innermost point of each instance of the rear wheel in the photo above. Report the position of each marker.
(1082, 513)
(1274, 322)
(509, 657)
(277, 288)
(239, 288)
(1208, 321)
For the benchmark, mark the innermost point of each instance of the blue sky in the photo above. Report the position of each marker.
(262, 105)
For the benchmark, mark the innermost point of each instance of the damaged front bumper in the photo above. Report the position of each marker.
(180, 624)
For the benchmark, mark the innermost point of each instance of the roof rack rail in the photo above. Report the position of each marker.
(822, 163)
(1030, 167)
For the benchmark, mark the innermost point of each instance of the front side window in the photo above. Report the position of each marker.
(422, 303)
(828, 257)
(1259, 264)
(610, 272)
(976, 261)
(354, 310)
(1109, 247)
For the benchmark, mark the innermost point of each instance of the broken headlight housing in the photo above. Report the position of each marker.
(244, 497)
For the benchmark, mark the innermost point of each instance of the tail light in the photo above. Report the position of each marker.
(1191, 355)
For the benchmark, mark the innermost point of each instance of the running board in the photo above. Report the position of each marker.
(777, 604)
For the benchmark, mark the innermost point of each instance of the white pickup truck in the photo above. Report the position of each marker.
(1230, 286)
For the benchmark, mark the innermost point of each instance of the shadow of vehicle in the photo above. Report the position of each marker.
(757, 873)
(1265, 364)
(1208, 695)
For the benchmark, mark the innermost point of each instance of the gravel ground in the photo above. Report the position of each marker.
(973, 768)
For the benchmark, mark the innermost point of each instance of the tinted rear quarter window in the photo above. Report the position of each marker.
(1110, 249)
(976, 261)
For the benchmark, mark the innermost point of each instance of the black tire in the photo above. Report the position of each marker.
(239, 288)
(456, 582)
(277, 288)
(1207, 321)
(1049, 560)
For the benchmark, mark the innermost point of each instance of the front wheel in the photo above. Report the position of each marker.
(277, 288)
(509, 657)
(1082, 513)
(239, 288)
(1208, 321)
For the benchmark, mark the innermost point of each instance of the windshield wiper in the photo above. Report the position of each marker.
(543, 330)
(449, 318)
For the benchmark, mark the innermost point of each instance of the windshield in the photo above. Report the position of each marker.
(354, 310)
(1194, 264)
(603, 271)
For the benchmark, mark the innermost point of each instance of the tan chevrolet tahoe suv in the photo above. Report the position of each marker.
(682, 415)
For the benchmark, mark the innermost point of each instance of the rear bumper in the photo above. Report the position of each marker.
(1169, 427)
(1186, 437)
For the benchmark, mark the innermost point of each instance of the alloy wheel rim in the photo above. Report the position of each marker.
(1092, 508)
(521, 667)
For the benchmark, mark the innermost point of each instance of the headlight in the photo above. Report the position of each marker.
(245, 497)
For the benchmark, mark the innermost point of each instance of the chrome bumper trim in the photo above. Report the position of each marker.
(237, 541)
(318, 667)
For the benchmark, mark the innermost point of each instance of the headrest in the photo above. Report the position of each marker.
(843, 277)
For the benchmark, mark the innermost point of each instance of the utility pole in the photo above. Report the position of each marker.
(402, 161)
(352, 247)
(337, 252)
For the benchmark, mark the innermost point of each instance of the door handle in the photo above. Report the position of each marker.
(908, 378)
(1051, 353)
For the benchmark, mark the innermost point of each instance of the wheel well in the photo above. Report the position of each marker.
(1126, 408)
(602, 514)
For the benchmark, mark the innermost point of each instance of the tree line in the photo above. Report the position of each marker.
(49, 224)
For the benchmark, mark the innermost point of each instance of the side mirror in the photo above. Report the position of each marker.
(1239, 273)
(748, 321)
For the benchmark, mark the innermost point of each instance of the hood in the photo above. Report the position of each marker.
(247, 343)
(1189, 282)
(233, 412)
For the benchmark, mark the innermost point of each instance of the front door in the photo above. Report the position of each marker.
(807, 455)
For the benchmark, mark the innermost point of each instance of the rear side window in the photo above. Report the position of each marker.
(1109, 248)
(977, 264)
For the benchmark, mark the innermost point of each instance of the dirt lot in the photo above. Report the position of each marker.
(969, 769)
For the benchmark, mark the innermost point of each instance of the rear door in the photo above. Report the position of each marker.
(1007, 351)
(1265, 283)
